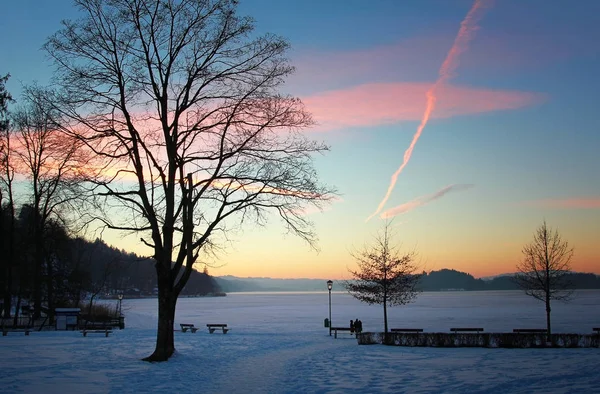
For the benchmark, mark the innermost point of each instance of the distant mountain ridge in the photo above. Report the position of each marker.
(442, 280)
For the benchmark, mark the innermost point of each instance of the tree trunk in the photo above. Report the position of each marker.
(549, 333)
(8, 294)
(50, 289)
(16, 316)
(385, 320)
(167, 300)
(38, 267)
(11, 254)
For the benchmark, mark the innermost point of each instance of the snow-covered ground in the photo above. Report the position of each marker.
(277, 344)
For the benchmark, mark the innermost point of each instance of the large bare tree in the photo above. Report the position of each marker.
(181, 98)
(545, 269)
(384, 276)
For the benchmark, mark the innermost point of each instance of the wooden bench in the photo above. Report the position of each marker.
(530, 330)
(185, 327)
(336, 329)
(406, 330)
(466, 329)
(213, 327)
(106, 332)
(5, 332)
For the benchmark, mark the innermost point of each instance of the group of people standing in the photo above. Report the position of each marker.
(356, 326)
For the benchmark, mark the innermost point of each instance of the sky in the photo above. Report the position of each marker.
(510, 139)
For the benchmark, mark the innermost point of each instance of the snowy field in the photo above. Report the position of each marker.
(277, 344)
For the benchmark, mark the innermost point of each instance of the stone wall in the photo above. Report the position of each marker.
(488, 339)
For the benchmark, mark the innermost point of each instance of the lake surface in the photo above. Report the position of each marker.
(495, 311)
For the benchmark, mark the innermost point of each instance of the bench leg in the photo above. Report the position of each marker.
(193, 330)
(335, 334)
(211, 330)
(84, 333)
(184, 329)
(27, 332)
(4, 333)
(225, 330)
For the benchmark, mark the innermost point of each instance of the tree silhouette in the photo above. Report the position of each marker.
(180, 99)
(545, 269)
(384, 276)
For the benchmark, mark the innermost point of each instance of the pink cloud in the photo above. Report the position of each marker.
(423, 200)
(387, 103)
(413, 57)
(567, 203)
(418, 58)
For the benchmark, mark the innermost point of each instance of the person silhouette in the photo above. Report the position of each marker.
(352, 326)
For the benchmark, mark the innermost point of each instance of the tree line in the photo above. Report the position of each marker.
(75, 271)
(449, 279)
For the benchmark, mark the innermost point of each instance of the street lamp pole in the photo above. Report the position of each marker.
(120, 296)
(329, 286)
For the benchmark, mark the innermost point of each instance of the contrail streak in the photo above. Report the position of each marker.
(424, 200)
(465, 34)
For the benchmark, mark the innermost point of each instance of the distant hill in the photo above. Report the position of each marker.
(231, 284)
(442, 280)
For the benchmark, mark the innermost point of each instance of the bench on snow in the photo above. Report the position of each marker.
(597, 329)
(466, 329)
(185, 327)
(106, 332)
(530, 330)
(5, 331)
(213, 327)
(336, 329)
(406, 330)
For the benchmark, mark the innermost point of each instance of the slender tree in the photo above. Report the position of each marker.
(545, 269)
(7, 202)
(51, 161)
(181, 100)
(384, 276)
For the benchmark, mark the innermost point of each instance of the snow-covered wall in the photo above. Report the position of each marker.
(491, 339)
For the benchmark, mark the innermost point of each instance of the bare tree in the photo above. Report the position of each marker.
(7, 202)
(384, 277)
(544, 271)
(180, 98)
(51, 161)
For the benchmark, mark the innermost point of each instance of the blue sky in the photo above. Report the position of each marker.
(517, 120)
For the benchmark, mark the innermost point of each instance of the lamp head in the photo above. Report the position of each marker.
(329, 284)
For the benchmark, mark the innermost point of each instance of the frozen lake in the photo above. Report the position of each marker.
(277, 344)
(436, 311)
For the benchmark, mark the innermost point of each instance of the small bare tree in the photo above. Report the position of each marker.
(384, 276)
(544, 271)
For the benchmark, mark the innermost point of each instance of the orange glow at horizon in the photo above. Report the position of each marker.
(468, 26)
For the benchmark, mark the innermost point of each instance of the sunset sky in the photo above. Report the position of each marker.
(513, 136)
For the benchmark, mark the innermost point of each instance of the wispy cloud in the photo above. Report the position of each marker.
(465, 34)
(567, 203)
(387, 103)
(423, 200)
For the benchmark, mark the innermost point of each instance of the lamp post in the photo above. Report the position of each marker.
(329, 286)
(120, 297)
